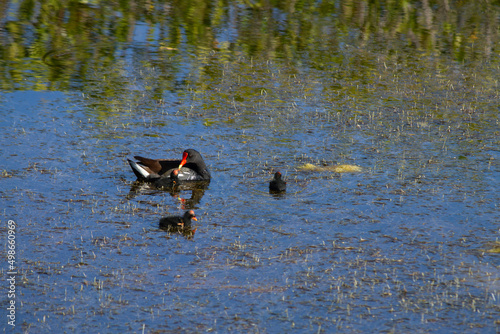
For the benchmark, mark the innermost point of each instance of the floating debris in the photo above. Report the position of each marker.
(335, 169)
(494, 248)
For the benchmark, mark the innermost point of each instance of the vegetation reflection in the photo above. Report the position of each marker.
(59, 43)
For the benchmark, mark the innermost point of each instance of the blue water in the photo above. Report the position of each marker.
(408, 245)
(401, 246)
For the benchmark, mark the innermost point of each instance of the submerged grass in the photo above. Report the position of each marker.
(409, 244)
(335, 169)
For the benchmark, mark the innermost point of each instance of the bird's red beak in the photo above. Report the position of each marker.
(184, 158)
(194, 218)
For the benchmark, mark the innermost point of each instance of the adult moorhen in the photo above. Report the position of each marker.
(177, 223)
(191, 168)
(277, 185)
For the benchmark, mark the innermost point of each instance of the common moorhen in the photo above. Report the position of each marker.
(177, 222)
(277, 185)
(191, 167)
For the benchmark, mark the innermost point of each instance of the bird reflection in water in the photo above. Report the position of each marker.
(177, 190)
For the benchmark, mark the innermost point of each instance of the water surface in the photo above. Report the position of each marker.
(408, 245)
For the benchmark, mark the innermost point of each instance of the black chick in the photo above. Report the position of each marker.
(277, 185)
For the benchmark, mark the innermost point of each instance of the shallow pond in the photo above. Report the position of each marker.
(409, 244)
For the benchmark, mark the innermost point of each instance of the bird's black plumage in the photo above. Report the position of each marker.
(277, 185)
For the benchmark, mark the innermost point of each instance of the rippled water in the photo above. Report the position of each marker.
(410, 244)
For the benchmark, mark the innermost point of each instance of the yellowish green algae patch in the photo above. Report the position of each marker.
(336, 169)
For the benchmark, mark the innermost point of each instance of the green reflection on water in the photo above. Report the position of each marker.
(59, 44)
(382, 67)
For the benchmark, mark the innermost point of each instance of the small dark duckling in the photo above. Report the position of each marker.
(177, 223)
(277, 185)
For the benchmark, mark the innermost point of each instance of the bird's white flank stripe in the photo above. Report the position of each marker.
(138, 168)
